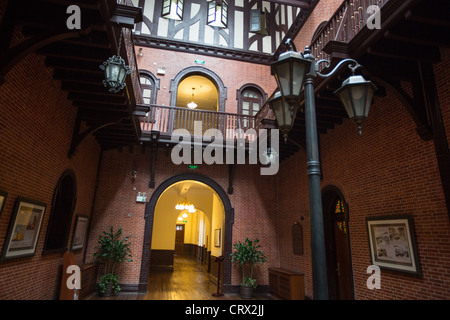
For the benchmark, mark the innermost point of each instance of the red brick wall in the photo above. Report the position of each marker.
(36, 124)
(234, 74)
(389, 170)
(253, 200)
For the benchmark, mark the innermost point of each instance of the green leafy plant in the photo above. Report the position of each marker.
(248, 253)
(111, 251)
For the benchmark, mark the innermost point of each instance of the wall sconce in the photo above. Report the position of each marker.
(172, 9)
(134, 174)
(218, 13)
(140, 54)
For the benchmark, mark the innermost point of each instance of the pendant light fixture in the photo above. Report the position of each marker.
(192, 105)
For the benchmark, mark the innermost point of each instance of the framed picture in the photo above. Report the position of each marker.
(24, 229)
(392, 243)
(3, 196)
(217, 238)
(79, 233)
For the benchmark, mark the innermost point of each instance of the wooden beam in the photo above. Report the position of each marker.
(430, 93)
(405, 51)
(293, 3)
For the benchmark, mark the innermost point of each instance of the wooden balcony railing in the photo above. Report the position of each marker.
(167, 119)
(347, 21)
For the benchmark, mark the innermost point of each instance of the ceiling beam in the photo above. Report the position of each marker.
(293, 3)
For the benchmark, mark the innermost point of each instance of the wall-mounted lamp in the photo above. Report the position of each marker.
(140, 54)
(134, 174)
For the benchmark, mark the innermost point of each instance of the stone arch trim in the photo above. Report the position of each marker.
(201, 71)
(148, 229)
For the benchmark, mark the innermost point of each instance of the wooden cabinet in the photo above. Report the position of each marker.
(287, 284)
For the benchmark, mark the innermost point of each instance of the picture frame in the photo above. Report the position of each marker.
(3, 196)
(392, 243)
(79, 232)
(24, 229)
(217, 236)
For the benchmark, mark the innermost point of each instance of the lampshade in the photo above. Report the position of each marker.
(356, 94)
(289, 72)
(115, 73)
(284, 113)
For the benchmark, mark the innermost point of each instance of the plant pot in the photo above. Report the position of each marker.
(246, 291)
(108, 291)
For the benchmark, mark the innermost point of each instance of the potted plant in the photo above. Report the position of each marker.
(248, 254)
(111, 251)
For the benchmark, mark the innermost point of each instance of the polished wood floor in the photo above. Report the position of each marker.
(188, 281)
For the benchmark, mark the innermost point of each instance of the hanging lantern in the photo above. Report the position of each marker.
(218, 13)
(115, 71)
(356, 94)
(172, 9)
(284, 113)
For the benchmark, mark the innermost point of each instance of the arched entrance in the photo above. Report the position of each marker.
(150, 219)
(203, 73)
(337, 240)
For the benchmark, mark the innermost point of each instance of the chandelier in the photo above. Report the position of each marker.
(185, 205)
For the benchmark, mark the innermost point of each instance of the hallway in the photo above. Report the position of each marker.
(188, 281)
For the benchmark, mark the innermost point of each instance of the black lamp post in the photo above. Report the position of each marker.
(290, 71)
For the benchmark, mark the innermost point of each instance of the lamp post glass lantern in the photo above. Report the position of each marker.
(292, 71)
(356, 94)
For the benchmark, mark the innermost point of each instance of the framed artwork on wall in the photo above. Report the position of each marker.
(79, 233)
(217, 237)
(392, 243)
(3, 196)
(24, 229)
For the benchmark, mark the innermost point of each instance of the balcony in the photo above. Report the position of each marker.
(200, 123)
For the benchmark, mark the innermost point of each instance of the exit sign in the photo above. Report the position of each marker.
(192, 166)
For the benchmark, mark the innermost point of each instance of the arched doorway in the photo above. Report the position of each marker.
(337, 240)
(150, 221)
(204, 73)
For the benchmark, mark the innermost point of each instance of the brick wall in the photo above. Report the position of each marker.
(389, 170)
(253, 200)
(234, 74)
(36, 124)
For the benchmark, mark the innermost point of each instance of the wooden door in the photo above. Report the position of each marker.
(179, 239)
(339, 266)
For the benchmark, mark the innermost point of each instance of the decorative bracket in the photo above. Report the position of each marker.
(78, 137)
(231, 172)
(154, 150)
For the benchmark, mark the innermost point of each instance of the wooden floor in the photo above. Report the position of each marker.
(188, 281)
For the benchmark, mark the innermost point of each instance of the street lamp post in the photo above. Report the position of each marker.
(356, 94)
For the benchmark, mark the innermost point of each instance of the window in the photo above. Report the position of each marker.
(340, 216)
(63, 205)
(149, 87)
(250, 100)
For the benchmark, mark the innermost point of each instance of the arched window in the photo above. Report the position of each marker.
(250, 99)
(149, 86)
(63, 205)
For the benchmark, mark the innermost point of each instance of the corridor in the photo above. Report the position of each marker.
(188, 281)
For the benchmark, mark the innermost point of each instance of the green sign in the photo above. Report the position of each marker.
(199, 61)
(192, 166)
